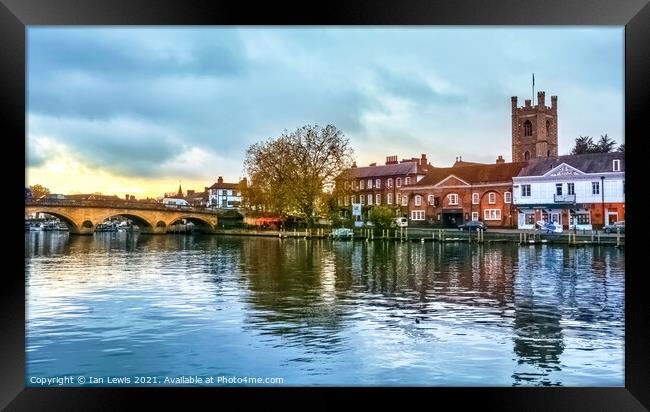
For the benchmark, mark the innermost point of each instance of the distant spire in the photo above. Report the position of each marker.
(180, 191)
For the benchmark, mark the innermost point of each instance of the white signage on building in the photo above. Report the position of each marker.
(356, 209)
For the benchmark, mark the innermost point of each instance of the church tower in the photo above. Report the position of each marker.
(534, 129)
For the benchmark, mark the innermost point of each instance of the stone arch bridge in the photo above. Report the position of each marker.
(81, 217)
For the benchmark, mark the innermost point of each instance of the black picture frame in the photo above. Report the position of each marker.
(17, 15)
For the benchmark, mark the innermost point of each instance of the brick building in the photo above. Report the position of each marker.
(534, 129)
(449, 196)
(380, 184)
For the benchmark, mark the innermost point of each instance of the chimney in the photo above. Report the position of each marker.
(527, 102)
(423, 159)
(354, 164)
(391, 160)
(205, 188)
(220, 179)
(541, 100)
(460, 158)
(126, 197)
(373, 164)
(500, 159)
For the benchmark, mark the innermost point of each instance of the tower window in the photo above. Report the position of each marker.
(526, 155)
(528, 128)
(548, 128)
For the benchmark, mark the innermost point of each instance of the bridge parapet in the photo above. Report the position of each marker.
(126, 204)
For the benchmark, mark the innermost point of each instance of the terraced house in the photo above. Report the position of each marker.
(381, 184)
(449, 196)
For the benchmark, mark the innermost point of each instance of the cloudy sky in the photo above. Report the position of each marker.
(139, 110)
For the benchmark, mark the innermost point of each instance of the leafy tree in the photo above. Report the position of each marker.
(605, 144)
(382, 216)
(38, 191)
(288, 174)
(584, 144)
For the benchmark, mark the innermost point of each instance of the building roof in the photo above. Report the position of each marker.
(383, 170)
(477, 174)
(462, 163)
(223, 185)
(587, 163)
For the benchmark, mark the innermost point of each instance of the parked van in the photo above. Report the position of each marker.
(401, 222)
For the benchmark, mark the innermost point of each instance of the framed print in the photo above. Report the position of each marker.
(427, 199)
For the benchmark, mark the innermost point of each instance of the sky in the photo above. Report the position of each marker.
(141, 110)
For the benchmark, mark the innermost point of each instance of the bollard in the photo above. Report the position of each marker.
(618, 237)
(592, 236)
(598, 232)
(406, 233)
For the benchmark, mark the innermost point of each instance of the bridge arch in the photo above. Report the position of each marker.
(70, 223)
(201, 224)
(145, 225)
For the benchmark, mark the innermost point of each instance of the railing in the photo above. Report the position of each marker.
(125, 204)
(564, 198)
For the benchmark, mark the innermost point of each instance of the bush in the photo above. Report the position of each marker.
(382, 217)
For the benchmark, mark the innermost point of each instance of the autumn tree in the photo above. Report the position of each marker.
(289, 173)
(39, 190)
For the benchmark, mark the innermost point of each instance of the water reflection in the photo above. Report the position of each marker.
(322, 312)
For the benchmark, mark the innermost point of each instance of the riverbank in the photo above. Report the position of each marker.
(446, 235)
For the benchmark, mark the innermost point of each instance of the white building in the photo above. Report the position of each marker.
(225, 195)
(577, 191)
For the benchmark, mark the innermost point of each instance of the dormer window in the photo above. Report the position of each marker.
(617, 165)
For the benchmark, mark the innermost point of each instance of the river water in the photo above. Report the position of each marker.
(320, 312)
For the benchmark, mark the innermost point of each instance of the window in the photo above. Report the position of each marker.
(492, 198)
(418, 200)
(346, 185)
(431, 199)
(389, 182)
(362, 199)
(492, 214)
(398, 182)
(525, 190)
(378, 199)
(453, 199)
(389, 198)
(475, 198)
(528, 128)
(507, 197)
(340, 202)
(474, 216)
(405, 200)
(582, 218)
(354, 184)
(407, 181)
(362, 184)
(224, 192)
(548, 128)
(617, 165)
(558, 189)
(417, 214)
(398, 199)
(570, 188)
(529, 218)
(352, 199)
(527, 155)
(595, 188)
(378, 183)
(369, 183)
(369, 200)
(345, 199)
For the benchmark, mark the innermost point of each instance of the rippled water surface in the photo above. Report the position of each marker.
(324, 313)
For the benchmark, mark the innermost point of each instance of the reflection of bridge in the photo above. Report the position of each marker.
(83, 216)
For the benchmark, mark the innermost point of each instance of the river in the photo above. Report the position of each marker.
(320, 312)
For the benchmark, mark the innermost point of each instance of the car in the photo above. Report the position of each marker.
(473, 225)
(615, 227)
(549, 227)
(342, 233)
